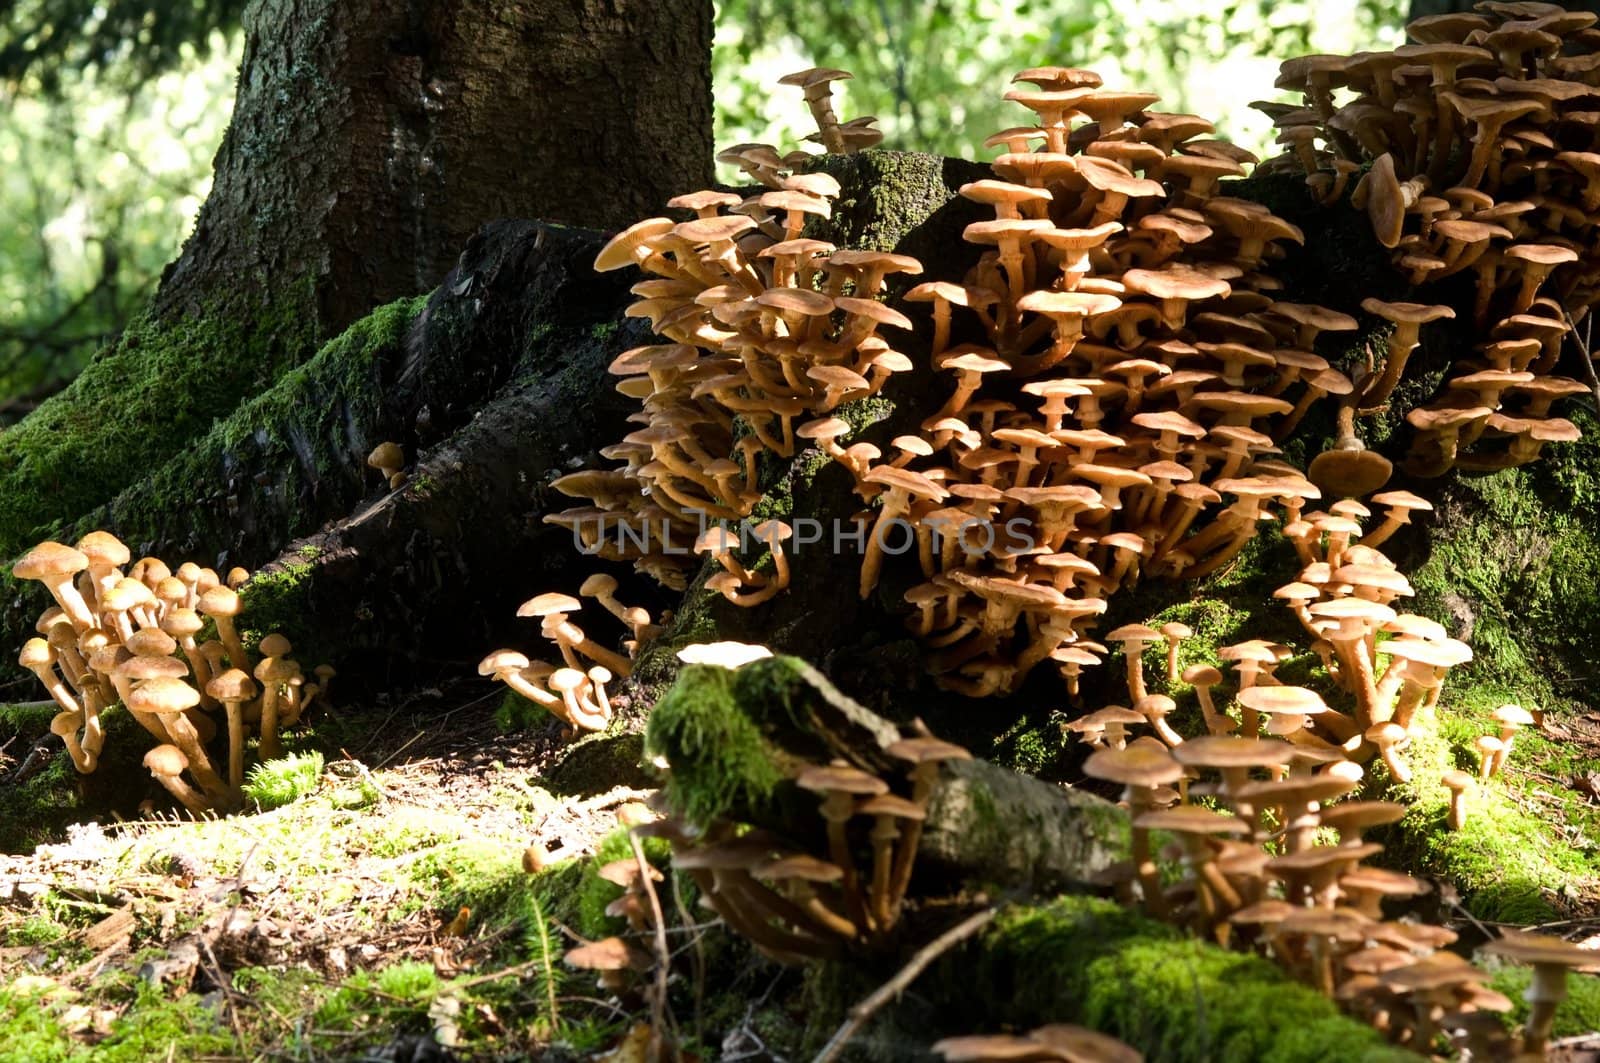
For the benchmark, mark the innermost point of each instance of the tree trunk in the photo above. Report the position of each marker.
(369, 141)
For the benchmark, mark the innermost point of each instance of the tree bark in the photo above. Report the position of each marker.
(369, 141)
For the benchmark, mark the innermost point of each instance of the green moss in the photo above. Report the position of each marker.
(1508, 862)
(1176, 999)
(276, 783)
(135, 406)
(1579, 1014)
(887, 195)
(39, 807)
(594, 893)
(273, 601)
(718, 756)
(1512, 564)
(150, 1026)
(517, 713)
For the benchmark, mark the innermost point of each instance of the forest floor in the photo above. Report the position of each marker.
(381, 910)
(375, 905)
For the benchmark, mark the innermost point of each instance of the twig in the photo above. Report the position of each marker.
(225, 984)
(697, 955)
(860, 1013)
(1583, 350)
(658, 999)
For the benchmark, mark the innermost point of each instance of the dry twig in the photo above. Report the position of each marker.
(860, 1013)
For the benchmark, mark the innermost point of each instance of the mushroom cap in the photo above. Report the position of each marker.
(1349, 473)
(1543, 950)
(1193, 819)
(599, 585)
(1229, 751)
(36, 653)
(1131, 633)
(801, 867)
(991, 1048)
(549, 604)
(925, 749)
(1385, 734)
(219, 601)
(1282, 700)
(166, 760)
(1078, 1045)
(386, 456)
(891, 805)
(913, 483)
(182, 623)
(565, 680)
(275, 645)
(236, 685)
(498, 661)
(1354, 815)
(49, 559)
(608, 954)
(1136, 765)
(840, 778)
(151, 642)
(1457, 780)
(1175, 282)
(104, 549)
(1513, 715)
(163, 696)
(1446, 653)
(731, 655)
(152, 667)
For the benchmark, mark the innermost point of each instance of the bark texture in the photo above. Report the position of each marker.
(369, 141)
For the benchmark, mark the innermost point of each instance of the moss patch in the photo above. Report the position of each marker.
(719, 758)
(133, 407)
(1511, 861)
(1176, 999)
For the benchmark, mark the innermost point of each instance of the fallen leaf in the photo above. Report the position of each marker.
(634, 1048)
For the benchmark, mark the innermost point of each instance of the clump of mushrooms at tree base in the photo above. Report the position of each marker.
(134, 638)
(1122, 380)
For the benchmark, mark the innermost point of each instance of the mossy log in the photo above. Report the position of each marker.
(735, 740)
(1092, 962)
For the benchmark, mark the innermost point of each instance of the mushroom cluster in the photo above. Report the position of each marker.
(1122, 378)
(1277, 864)
(133, 637)
(766, 331)
(795, 905)
(575, 690)
(1518, 210)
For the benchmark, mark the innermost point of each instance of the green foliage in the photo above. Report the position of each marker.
(99, 182)
(276, 783)
(594, 892)
(934, 72)
(134, 40)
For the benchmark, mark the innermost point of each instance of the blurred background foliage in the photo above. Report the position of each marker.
(110, 112)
